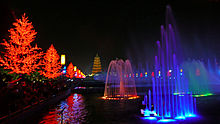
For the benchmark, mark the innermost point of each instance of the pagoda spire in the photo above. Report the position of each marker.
(96, 65)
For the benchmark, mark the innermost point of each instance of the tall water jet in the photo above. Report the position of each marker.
(120, 82)
(197, 76)
(171, 97)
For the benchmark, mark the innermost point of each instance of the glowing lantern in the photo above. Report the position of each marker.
(169, 73)
(141, 75)
(152, 74)
(75, 68)
(64, 70)
(145, 74)
(181, 72)
(63, 59)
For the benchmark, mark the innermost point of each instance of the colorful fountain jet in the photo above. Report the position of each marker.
(170, 98)
(119, 85)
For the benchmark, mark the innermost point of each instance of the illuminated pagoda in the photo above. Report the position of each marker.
(96, 65)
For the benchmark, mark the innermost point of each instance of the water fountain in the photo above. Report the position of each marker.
(198, 77)
(171, 99)
(120, 82)
(213, 69)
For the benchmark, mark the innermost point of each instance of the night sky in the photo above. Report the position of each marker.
(125, 29)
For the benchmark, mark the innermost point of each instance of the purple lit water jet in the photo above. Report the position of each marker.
(120, 82)
(171, 96)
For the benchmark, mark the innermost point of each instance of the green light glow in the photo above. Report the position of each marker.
(207, 94)
(176, 93)
(197, 76)
(195, 95)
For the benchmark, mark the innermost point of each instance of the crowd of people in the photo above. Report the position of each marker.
(18, 94)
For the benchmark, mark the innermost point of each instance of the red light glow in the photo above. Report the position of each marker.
(51, 65)
(70, 73)
(20, 57)
(118, 97)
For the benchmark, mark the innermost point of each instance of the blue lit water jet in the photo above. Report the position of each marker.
(171, 97)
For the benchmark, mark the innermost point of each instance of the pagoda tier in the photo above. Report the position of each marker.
(96, 65)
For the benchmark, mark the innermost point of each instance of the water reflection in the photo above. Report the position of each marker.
(72, 110)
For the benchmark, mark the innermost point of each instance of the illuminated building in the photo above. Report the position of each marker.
(96, 65)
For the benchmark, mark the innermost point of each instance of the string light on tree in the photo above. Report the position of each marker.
(70, 71)
(20, 57)
(51, 64)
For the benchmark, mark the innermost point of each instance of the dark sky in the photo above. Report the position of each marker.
(122, 29)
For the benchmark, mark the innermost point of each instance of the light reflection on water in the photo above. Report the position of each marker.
(72, 110)
(90, 108)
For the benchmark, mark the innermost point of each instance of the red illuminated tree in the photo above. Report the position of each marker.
(70, 71)
(51, 64)
(19, 56)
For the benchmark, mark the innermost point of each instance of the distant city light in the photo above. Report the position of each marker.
(145, 74)
(64, 69)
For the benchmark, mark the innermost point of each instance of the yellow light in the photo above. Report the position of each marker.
(63, 59)
(75, 68)
(181, 70)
